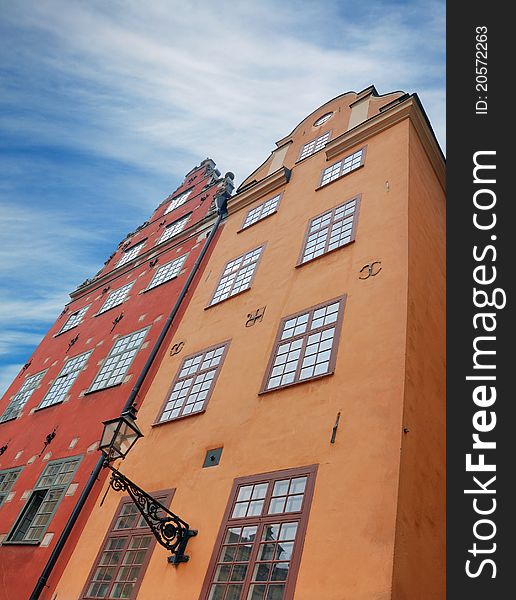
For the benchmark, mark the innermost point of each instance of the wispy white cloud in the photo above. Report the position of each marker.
(107, 104)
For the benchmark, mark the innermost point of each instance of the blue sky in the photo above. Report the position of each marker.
(106, 104)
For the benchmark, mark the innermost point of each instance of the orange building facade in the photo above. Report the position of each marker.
(300, 428)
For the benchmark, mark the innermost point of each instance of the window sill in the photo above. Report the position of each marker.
(20, 543)
(40, 408)
(67, 330)
(282, 387)
(107, 387)
(9, 419)
(321, 187)
(109, 309)
(256, 222)
(226, 299)
(310, 260)
(149, 289)
(181, 418)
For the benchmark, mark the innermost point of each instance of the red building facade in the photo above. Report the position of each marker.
(84, 371)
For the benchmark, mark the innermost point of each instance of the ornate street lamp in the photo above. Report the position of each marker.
(118, 437)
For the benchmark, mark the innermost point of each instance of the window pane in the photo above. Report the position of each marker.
(331, 230)
(119, 360)
(116, 297)
(65, 380)
(19, 400)
(193, 384)
(237, 275)
(314, 145)
(74, 319)
(174, 228)
(348, 164)
(261, 211)
(254, 560)
(178, 201)
(310, 351)
(167, 272)
(120, 565)
(129, 254)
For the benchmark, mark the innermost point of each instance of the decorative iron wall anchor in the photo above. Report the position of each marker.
(48, 440)
(3, 449)
(169, 530)
(25, 367)
(371, 271)
(72, 342)
(106, 289)
(334, 429)
(153, 262)
(256, 317)
(176, 348)
(117, 320)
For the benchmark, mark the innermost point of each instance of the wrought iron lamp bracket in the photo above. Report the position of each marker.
(170, 531)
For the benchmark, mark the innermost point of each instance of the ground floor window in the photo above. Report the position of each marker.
(120, 565)
(258, 550)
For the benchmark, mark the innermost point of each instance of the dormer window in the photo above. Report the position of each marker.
(315, 145)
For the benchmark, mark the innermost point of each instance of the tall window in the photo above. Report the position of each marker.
(20, 399)
(258, 549)
(8, 478)
(116, 297)
(39, 509)
(306, 345)
(74, 319)
(64, 381)
(261, 211)
(129, 254)
(174, 228)
(119, 360)
(194, 383)
(168, 271)
(120, 565)
(315, 145)
(178, 201)
(331, 230)
(343, 167)
(237, 275)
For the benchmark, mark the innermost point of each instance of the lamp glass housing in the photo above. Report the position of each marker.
(119, 436)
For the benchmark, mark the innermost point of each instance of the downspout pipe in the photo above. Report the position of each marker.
(221, 200)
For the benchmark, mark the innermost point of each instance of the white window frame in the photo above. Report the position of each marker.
(75, 319)
(178, 201)
(116, 297)
(22, 396)
(8, 478)
(118, 355)
(237, 275)
(167, 272)
(348, 164)
(77, 364)
(130, 253)
(263, 210)
(174, 228)
(314, 145)
(51, 488)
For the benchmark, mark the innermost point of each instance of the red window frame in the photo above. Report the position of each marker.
(302, 340)
(126, 534)
(261, 522)
(331, 226)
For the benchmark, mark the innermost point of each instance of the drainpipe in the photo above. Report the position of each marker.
(221, 200)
